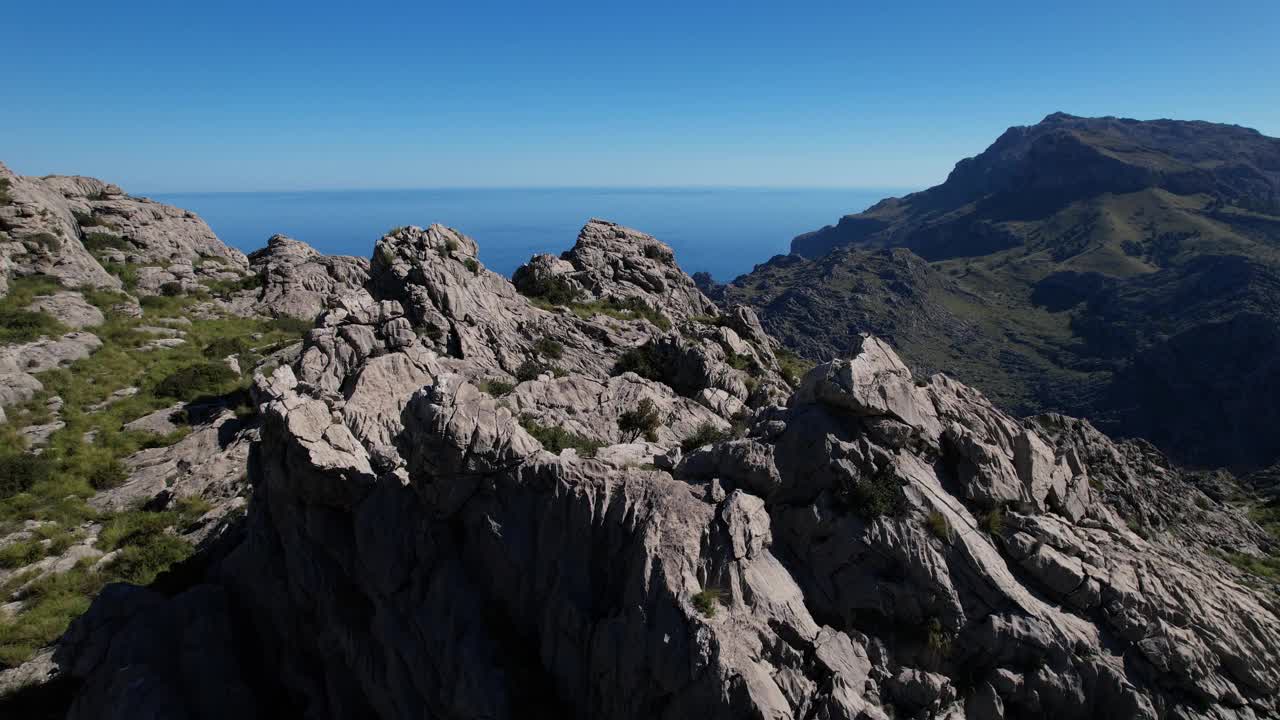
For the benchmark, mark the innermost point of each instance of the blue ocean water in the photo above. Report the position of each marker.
(724, 231)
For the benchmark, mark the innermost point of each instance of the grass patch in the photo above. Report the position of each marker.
(5, 185)
(96, 242)
(232, 286)
(496, 388)
(199, 380)
(704, 434)
(19, 326)
(549, 348)
(556, 439)
(938, 526)
(706, 601)
(793, 367)
(992, 522)
(471, 265)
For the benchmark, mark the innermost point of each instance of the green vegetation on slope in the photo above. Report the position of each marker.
(87, 455)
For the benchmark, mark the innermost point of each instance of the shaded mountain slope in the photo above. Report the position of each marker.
(1084, 264)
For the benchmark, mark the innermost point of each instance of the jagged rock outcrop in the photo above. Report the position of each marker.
(49, 224)
(297, 280)
(877, 545)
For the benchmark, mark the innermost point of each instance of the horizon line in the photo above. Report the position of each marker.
(629, 188)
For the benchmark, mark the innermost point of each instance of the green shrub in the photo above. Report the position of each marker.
(739, 362)
(937, 640)
(19, 472)
(225, 288)
(706, 601)
(472, 265)
(88, 220)
(108, 475)
(172, 289)
(5, 186)
(127, 273)
(530, 370)
(704, 434)
(992, 522)
(549, 348)
(938, 525)
(556, 439)
(551, 289)
(292, 325)
(194, 381)
(643, 420)
(640, 360)
(225, 346)
(793, 367)
(18, 326)
(96, 242)
(496, 388)
(876, 496)
(141, 563)
(45, 240)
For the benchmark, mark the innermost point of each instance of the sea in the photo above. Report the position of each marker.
(723, 231)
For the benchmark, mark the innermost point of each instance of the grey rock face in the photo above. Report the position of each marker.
(429, 536)
(298, 280)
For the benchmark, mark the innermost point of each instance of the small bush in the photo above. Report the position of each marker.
(5, 197)
(20, 471)
(793, 367)
(643, 420)
(553, 289)
(18, 326)
(45, 240)
(992, 522)
(87, 219)
(530, 370)
(108, 475)
(96, 242)
(292, 325)
(194, 381)
(937, 640)
(938, 525)
(549, 348)
(496, 388)
(224, 288)
(641, 361)
(706, 601)
(740, 362)
(877, 496)
(657, 252)
(704, 434)
(225, 346)
(172, 289)
(472, 265)
(556, 439)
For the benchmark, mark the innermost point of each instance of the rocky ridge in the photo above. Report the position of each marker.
(588, 493)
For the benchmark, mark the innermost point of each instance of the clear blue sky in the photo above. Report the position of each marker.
(233, 95)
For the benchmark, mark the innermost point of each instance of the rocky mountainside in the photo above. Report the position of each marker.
(587, 492)
(1123, 271)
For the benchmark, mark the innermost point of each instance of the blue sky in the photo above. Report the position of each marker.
(233, 95)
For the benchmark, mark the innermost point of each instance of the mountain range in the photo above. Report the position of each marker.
(1125, 271)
